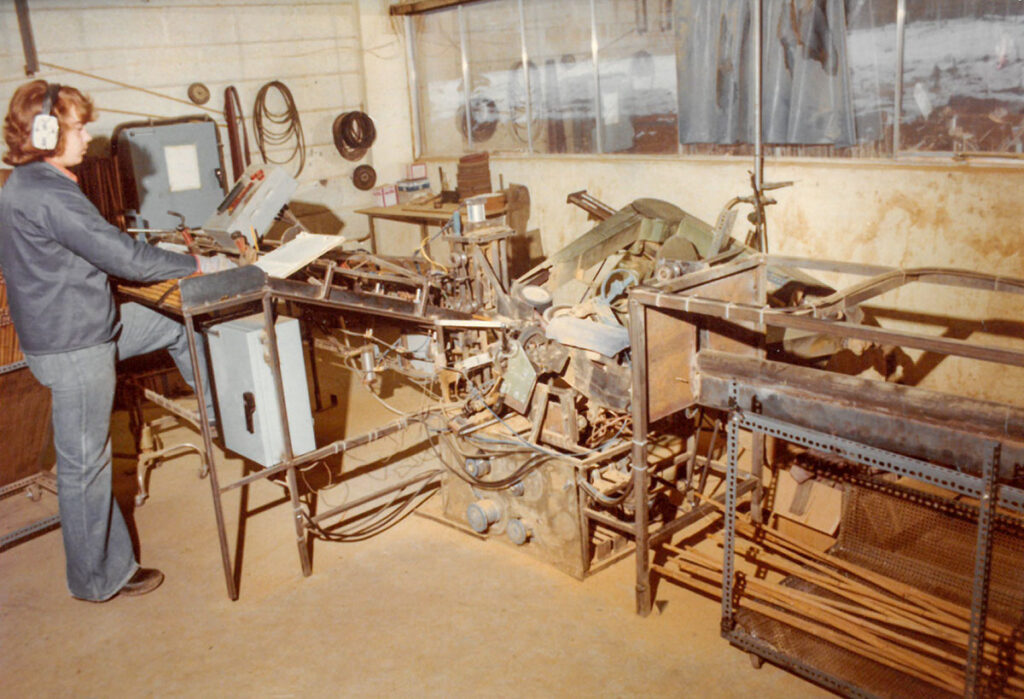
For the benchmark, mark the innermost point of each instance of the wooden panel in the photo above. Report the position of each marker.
(417, 7)
(165, 295)
(24, 426)
(10, 352)
(726, 335)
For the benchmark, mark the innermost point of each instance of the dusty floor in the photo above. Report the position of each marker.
(421, 610)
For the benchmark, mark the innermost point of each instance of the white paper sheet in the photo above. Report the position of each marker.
(297, 253)
(182, 167)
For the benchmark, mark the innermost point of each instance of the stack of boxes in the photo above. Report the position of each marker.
(474, 175)
(415, 185)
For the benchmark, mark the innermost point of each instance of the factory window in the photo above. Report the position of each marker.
(678, 76)
(963, 77)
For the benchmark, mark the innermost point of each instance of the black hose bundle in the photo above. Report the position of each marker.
(354, 133)
(277, 128)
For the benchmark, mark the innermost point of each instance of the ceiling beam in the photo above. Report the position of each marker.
(417, 7)
(28, 41)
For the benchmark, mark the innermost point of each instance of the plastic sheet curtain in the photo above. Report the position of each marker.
(806, 93)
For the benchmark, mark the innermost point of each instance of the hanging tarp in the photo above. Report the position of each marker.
(806, 92)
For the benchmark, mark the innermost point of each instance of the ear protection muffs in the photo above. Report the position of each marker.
(45, 127)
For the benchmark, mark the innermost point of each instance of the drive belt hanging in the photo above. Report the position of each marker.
(235, 118)
(354, 133)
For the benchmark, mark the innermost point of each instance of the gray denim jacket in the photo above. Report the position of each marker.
(57, 253)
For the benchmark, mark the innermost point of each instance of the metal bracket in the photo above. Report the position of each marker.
(982, 568)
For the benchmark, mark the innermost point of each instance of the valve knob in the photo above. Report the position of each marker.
(518, 532)
(482, 514)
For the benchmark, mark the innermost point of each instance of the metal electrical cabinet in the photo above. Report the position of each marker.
(169, 165)
(250, 418)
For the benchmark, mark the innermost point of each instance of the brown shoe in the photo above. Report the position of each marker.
(145, 580)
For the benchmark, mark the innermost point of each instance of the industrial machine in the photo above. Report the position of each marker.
(654, 376)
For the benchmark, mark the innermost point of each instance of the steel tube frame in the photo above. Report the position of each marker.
(44, 480)
(986, 489)
(268, 297)
(761, 315)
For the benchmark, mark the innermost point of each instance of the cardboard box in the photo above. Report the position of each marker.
(409, 190)
(415, 171)
(385, 195)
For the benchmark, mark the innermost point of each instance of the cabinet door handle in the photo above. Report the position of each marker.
(249, 403)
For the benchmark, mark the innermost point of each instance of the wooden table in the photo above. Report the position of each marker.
(164, 296)
(423, 215)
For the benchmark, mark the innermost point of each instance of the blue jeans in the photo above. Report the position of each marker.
(97, 545)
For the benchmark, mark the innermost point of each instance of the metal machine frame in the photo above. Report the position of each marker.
(980, 455)
(217, 297)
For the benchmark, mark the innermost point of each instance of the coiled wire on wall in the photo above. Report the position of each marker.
(238, 144)
(274, 129)
(353, 133)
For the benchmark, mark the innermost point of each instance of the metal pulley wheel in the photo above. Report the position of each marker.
(364, 177)
(198, 93)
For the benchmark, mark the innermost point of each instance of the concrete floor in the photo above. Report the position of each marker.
(421, 610)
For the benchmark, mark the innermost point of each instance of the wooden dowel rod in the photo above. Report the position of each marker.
(816, 629)
(882, 639)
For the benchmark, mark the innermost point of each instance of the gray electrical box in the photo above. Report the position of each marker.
(250, 419)
(169, 165)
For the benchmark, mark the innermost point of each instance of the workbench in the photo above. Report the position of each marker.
(423, 215)
(209, 300)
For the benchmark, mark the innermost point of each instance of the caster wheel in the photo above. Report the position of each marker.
(756, 661)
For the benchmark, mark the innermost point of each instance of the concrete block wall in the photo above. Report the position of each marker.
(136, 59)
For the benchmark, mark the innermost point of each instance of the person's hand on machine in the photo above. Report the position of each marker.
(215, 263)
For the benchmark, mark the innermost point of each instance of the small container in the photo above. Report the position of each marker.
(386, 195)
(411, 189)
(415, 171)
(475, 210)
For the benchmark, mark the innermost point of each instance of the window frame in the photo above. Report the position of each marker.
(894, 148)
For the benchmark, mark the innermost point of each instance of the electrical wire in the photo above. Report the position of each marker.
(128, 86)
(273, 129)
(531, 464)
(422, 249)
(387, 517)
(600, 497)
(540, 449)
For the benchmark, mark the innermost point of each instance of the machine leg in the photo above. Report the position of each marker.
(300, 527)
(643, 548)
(756, 471)
(204, 418)
(982, 568)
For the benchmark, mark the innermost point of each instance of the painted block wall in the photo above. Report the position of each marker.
(136, 58)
